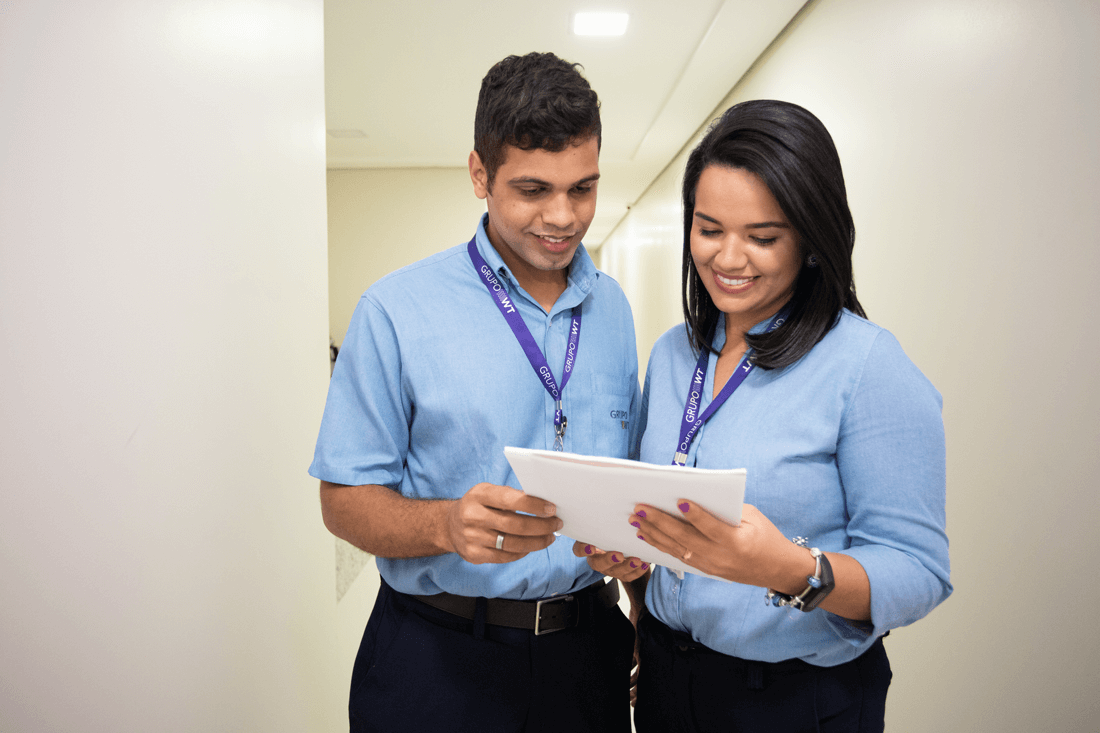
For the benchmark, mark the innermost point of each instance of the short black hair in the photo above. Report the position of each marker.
(789, 149)
(532, 102)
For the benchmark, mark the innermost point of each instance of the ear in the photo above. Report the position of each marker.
(478, 175)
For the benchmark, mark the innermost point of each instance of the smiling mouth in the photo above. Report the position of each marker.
(554, 240)
(733, 282)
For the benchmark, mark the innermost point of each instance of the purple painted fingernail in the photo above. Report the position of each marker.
(632, 564)
(588, 549)
(684, 507)
(640, 537)
(641, 513)
(614, 558)
(635, 524)
(645, 565)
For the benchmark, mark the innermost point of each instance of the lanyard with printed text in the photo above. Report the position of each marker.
(692, 419)
(527, 341)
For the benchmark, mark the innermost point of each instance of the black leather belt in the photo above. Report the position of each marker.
(544, 616)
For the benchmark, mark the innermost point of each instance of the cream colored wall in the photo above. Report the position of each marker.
(968, 132)
(382, 219)
(643, 254)
(163, 328)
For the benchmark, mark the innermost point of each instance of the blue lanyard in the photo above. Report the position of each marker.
(692, 420)
(527, 341)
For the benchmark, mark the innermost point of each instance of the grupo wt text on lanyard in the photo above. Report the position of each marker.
(527, 341)
(692, 420)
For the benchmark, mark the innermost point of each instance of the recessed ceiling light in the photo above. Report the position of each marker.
(346, 133)
(600, 24)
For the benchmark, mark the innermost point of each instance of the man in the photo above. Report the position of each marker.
(434, 378)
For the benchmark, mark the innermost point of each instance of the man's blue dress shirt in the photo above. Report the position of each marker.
(844, 447)
(431, 384)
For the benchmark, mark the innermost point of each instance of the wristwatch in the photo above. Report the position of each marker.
(820, 584)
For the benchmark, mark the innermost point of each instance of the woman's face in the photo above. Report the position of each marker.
(745, 250)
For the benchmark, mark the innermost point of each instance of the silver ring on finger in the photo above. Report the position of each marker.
(500, 541)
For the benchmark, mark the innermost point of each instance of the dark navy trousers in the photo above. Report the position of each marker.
(422, 670)
(684, 687)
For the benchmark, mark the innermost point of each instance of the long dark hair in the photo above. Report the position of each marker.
(792, 152)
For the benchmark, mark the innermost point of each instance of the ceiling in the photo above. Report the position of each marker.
(405, 74)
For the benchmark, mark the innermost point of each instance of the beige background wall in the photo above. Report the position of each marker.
(968, 133)
(382, 219)
(163, 566)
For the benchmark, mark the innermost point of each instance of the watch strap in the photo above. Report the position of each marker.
(818, 586)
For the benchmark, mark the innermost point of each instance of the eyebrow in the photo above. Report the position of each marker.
(538, 181)
(760, 225)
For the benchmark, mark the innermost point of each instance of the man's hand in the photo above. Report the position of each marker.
(487, 512)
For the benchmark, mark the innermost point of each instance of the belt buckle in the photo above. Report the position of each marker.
(538, 614)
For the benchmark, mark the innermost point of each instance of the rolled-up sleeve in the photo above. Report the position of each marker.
(892, 463)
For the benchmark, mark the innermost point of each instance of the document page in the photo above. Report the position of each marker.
(595, 496)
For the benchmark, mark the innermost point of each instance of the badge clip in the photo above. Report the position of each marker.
(559, 443)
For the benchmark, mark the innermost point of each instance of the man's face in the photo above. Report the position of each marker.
(540, 205)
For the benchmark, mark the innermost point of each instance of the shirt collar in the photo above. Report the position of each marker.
(582, 273)
(720, 329)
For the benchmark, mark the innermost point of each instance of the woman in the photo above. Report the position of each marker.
(840, 433)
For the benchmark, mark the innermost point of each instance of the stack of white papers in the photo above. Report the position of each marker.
(595, 496)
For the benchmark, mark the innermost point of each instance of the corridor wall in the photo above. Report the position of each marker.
(163, 366)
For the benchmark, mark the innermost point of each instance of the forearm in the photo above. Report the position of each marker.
(851, 598)
(382, 522)
(851, 595)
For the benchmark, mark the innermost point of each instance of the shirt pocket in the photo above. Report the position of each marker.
(608, 417)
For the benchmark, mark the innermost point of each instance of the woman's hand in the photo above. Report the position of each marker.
(633, 572)
(754, 552)
(616, 564)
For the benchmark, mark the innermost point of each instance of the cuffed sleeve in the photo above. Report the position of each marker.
(892, 464)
